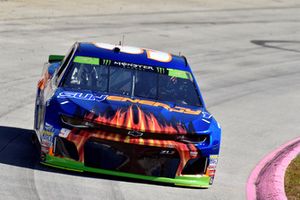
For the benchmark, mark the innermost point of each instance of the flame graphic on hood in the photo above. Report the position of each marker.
(124, 118)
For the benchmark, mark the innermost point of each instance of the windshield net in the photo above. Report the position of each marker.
(134, 80)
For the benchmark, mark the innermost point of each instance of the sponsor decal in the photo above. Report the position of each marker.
(161, 70)
(82, 96)
(179, 74)
(64, 133)
(86, 60)
(213, 160)
(156, 104)
(106, 62)
(133, 66)
(211, 169)
(49, 127)
(46, 138)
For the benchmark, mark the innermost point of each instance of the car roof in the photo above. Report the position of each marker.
(132, 55)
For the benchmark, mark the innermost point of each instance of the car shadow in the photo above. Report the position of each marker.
(17, 149)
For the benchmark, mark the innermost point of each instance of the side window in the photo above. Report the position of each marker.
(64, 64)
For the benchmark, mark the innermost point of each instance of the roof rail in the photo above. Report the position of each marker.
(185, 60)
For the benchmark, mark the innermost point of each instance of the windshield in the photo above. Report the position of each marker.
(132, 80)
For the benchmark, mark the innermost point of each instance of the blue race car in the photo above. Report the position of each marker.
(126, 111)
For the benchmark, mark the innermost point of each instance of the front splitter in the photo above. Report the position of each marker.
(199, 181)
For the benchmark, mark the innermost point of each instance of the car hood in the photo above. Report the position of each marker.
(133, 114)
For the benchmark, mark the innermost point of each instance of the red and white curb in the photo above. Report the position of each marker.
(266, 181)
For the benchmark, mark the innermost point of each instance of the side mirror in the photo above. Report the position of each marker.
(55, 58)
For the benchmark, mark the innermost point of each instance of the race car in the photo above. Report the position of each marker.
(125, 111)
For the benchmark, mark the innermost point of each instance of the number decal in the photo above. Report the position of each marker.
(151, 54)
(105, 46)
(123, 49)
(158, 55)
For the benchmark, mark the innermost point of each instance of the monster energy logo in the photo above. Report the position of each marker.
(133, 66)
(106, 62)
(160, 70)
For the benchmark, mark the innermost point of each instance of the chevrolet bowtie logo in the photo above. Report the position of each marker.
(135, 133)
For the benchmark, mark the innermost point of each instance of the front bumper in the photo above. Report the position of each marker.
(200, 181)
(185, 167)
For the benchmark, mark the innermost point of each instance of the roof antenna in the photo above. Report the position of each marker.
(123, 38)
(121, 43)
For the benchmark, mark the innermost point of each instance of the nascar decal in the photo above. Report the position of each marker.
(82, 96)
(156, 104)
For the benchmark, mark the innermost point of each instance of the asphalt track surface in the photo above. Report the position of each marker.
(245, 57)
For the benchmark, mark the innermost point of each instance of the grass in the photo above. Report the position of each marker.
(292, 180)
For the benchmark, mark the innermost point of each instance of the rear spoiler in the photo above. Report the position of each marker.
(55, 58)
